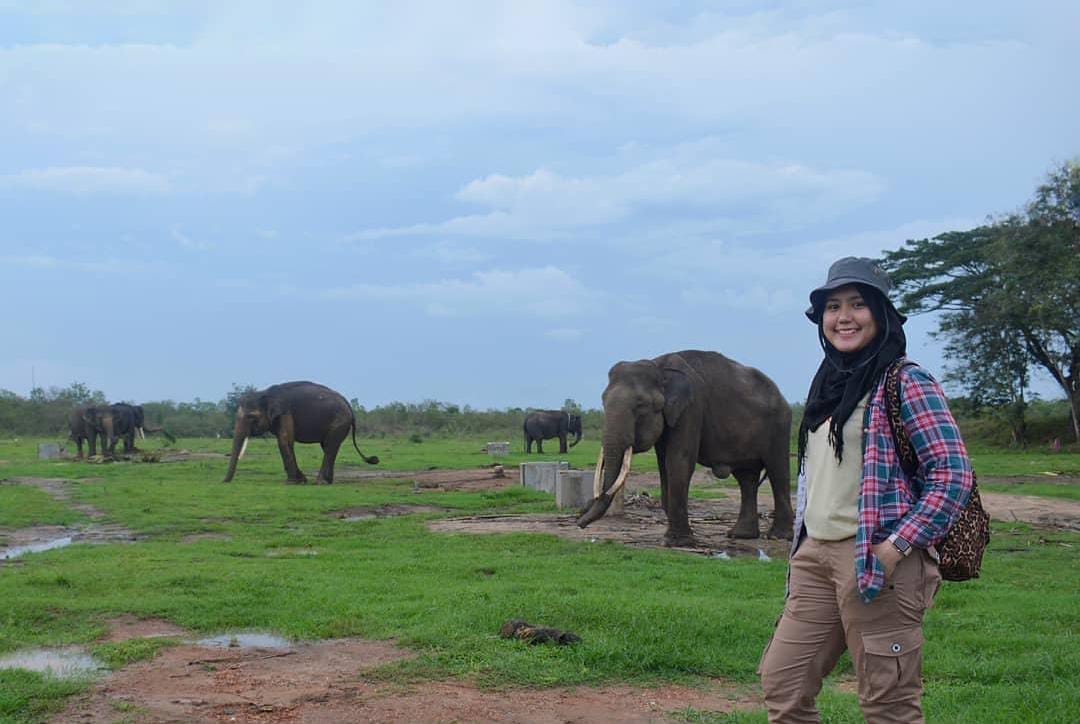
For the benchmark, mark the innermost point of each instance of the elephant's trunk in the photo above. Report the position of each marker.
(577, 438)
(240, 439)
(611, 472)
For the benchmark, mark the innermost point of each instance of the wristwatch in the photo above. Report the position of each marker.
(900, 544)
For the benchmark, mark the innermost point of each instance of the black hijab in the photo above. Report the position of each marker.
(843, 379)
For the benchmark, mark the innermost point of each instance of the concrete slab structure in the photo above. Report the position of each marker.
(574, 491)
(542, 476)
(497, 448)
(48, 451)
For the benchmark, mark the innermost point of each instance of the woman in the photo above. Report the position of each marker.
(863, 568)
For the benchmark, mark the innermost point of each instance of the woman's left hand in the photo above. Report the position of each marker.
(888, 555)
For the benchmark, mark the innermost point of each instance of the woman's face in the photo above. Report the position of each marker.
(847, 321)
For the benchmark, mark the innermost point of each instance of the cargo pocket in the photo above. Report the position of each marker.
(892, 664)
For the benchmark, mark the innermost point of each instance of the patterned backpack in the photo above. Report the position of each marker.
(962, 550)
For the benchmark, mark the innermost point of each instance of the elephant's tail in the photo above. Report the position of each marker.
(374, 459)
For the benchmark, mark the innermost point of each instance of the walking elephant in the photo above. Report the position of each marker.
(546, 424)
(296, 412)
(696, 407)
(90, 422)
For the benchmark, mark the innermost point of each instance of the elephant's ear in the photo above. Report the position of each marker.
(274, 407)
(677, 395)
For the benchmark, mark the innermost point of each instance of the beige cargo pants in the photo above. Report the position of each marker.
(824, 615)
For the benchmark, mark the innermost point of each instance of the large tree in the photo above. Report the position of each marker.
(1013, 283)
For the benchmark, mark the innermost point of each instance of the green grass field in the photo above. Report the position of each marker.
(1002, 648)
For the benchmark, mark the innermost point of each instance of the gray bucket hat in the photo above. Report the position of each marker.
(851, 270)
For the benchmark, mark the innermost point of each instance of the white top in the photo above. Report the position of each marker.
(832, 488)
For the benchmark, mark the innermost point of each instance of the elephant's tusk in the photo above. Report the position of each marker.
(624, 472)
(243, 448)
(597, 481)
(142, 435)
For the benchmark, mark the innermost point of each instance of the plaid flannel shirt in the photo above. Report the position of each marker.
(919, 510)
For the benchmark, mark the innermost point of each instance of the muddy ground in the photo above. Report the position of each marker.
(328, 681)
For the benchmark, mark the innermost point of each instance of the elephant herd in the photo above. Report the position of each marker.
(109, 423)
(692, 407)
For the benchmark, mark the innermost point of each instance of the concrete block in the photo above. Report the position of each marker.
(48, 451)
(497, 448)
(542, 476)
(574, 491)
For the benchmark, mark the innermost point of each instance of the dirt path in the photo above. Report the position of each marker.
(325, 682)
(16, 541)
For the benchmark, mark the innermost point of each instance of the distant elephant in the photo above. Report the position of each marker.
(696, 407)
(128, 422)
(296, 412)
(546, 424)
(89, 422)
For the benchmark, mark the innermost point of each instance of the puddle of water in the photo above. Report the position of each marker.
(247, 640)
(721, 555)
(7, 554)
(355, 518)
(68, 663)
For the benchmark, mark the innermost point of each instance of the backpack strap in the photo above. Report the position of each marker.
(909, 462)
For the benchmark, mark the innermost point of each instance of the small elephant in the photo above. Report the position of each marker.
(546, 424)
(696, 408)
(296, 412)
(90, 422)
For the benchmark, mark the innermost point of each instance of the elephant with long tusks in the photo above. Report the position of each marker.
(696, 407)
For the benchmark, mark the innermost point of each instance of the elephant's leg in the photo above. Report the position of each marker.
(539, 446)
(662, 465)
(91, 443)
(679, 467)
(779, 471)
(562, 443)
(747, 524)
(330, 447)
(293, 474)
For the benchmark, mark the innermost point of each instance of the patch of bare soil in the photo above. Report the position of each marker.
(423, 480)
(644, 522)
(1050, 512)
(324, 682)
(127, 627)
(383, 511)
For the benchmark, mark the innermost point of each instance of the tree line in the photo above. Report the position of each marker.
(45, 413)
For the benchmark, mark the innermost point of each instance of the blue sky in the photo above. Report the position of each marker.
(488, 203)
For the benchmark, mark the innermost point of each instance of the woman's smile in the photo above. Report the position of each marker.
(847, 321)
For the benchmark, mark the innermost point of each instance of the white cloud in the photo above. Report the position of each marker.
(545, 205)
(448, 252)
(90, 180)
(545, 292)
(776, 281)
(187, 242)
